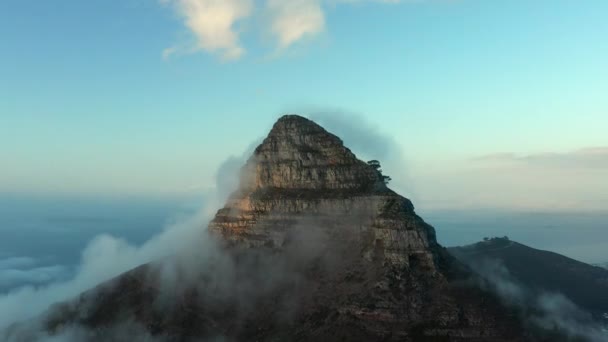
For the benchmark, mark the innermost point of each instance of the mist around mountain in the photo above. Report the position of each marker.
(313, 245)
(550, 288)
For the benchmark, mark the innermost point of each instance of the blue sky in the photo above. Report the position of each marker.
(150, 97)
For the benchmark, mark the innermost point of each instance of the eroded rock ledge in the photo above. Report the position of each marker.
(301, 172)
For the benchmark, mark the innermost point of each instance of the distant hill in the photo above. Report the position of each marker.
(585, 285)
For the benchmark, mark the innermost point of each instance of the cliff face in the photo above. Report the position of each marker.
(314, 247)
(302, 179)
(302, 172)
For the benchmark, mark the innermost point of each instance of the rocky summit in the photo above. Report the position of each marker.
(312, 246)
(393, 282)
(301, 172)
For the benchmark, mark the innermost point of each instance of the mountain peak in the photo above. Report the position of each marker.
(300, 154)
(293, 125)
(295, 118)
(295, 131)
(300, 171)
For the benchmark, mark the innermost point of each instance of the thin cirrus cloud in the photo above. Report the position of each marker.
(214, 24)
(591, 157)
(570, 180)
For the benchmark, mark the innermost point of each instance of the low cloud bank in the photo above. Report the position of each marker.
(183, 257)
(551, 312)
(200, 277)
(14, 277)
(105, 257)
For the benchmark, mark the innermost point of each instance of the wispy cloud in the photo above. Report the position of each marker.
(592, 157)
(21, 271)
(549, 310)
(213, 22)
(292, 20)
(17, 262)
(571, 180)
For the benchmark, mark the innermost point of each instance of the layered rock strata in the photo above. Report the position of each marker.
(301, 171)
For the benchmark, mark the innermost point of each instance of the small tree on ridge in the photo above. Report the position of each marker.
(376, 165)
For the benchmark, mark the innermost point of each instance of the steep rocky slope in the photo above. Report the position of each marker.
(301, 180)
(301, 172)
(312, 246)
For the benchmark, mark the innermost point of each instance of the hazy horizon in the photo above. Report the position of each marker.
(54, 231)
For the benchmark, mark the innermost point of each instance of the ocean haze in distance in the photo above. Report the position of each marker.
(42, 238)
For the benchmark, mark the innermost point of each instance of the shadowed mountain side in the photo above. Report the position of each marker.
(584, 284)
(347, 301)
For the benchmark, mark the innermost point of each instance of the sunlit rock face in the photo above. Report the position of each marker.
(302, 172)
(303, 186)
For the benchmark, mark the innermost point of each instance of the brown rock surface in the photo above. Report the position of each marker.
(303, 172)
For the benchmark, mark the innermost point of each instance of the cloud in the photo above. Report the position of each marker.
(184, 254)
(11, 277)
(104, 258)
(107, 256)
(368, 142)
(358, 133)
(22, 271)
(592, 157)
(574, 180)
(295, 20)
(213, 22)
(549, 310)
(292, 20)
(17, 262)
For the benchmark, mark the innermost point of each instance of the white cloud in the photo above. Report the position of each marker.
(573, 180)
(35, 276)
(22, 271)
(104, 258)
(360, 1)
(591, 157)
(292, 20)
(212, 22)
